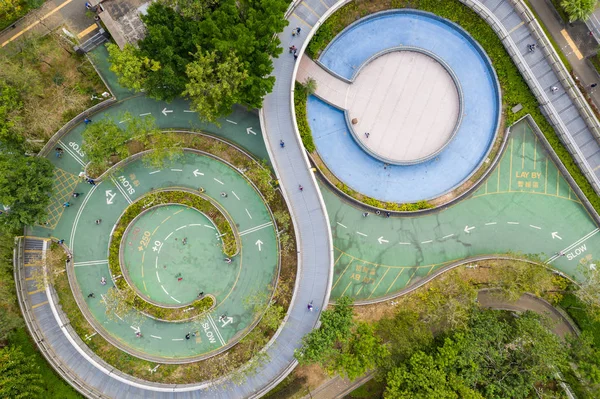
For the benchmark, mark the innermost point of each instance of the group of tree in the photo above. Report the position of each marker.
(578, 9)
(106, 142)
(442, 344)
(215, 52)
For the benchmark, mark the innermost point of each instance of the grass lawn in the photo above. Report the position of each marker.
(54, 385)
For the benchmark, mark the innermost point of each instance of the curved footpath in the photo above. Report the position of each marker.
(95, 378)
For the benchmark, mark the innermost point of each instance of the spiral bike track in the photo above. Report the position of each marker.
(94, 378)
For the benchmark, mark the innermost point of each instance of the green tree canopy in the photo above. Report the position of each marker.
(25, 188)
(239, 33)
(578, 9)
(19, 376)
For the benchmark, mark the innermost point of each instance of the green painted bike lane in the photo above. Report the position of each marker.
(525, 206)
(170, 250)
(89, 243)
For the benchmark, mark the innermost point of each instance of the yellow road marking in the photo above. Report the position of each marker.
(359, 290)
(29, 278)
(39, 304)
(348, 286)
(408, 282)
(36, 22)
(311, 10)
(301, 20)
(516, 27)
(145, 289)
(510, 167)
(571, 44)
(394, 282)
(340, 277)
(35, 292)
(596, 168)
(87, 30)
(382, 277)
(168, 217)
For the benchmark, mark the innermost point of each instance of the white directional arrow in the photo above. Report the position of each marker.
(136, 329)
(592, 266)
(110, 197)
(259, 243)
(197, 173)
(468, 229)
(166, 111)
(249, 130)
(555, 235)
(381, 240)
(227, 320)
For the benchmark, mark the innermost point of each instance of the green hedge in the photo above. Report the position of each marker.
(300, 97)
(514, 89)
(169, 197)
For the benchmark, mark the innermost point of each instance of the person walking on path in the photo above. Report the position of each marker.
(310, 307)
(91, 295)
(75, 195)
(298, 30)
(201, 294)
(98, 221)
(554, 89)
(59, 152)
(187, 336)
(281, 143)
(103, 281)
(292, 49)
(228, 260)
(67, 204)
(365, 214)
(367, 134)
(91, 181)
(87, 121)
(593, 85)
(300, 187)
(61, 242)
(224, 194)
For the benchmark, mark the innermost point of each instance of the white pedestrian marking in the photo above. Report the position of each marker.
(342, 225)
(448, 236)
(158, 277)
(163, 287)
(235, 123)
(249, 215)
(491, 223)
(146, 114)
(156, 171)
(362, 234)
(235, 195)
(426, 242)
(535, 227)
(218, 181)
(210, 319)
(154, 336)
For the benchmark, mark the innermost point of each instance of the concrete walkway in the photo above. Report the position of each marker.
(575, 42)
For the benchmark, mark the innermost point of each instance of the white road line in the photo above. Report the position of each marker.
(79, 212)
(235, 195)
(235, 123)
(580, 241)
(176, 170)
(154, 336)
(342, 225)
(175, 299)
(404, 243)
(512, 222)
(170, 234)
(218, 181)
(256, 228)
(448, 236)
(156, 171)
(72, 153)
(156, 264)
(158, 277)
(426, 242)
(210, 227)
(120, 318)
(118, 186)
(188, 110)
(162, 286)
(210, 319)
(123, 121)
(179, 228)
(91, 262)
(249, 215)
(491, 223)
(535, 227)
(177, 339)
(146, 114)
(191, 225)
(362, 234)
